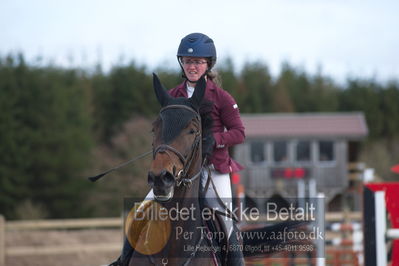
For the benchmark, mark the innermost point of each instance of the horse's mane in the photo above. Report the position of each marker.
(176, 120)
(206, 123)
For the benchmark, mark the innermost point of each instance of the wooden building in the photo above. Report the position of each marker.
(299, 154)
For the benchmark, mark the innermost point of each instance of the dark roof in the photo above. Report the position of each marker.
(347, 125)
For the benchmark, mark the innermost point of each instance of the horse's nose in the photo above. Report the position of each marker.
(151, 179)
(165, 178)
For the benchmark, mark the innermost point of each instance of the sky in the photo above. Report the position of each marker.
(339, 38)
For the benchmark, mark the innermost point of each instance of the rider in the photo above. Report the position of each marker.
(197, 56)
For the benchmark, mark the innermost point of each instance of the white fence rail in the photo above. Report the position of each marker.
(32, 225)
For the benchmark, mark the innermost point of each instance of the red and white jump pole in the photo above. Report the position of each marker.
(377, 199)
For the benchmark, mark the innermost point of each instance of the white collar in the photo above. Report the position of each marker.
(190, 91)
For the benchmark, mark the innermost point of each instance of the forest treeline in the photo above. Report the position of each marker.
(59, 125)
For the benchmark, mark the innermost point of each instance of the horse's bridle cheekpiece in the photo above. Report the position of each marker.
(181, 177)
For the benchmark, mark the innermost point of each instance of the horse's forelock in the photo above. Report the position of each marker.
(173, 121)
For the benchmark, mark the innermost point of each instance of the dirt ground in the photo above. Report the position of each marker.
(58, 238)
(110, 239)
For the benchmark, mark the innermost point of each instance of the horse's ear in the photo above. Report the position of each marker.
(160, 92)
(199, 92)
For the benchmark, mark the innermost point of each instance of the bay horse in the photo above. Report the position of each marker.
(182, 139)
(171, 228)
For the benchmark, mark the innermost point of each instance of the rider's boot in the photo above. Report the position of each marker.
(118, 262)
(123, 259)
(235, 256)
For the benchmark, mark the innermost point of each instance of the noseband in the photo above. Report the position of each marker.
(182, 177)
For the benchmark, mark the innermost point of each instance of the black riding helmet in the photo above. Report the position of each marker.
(197, 45)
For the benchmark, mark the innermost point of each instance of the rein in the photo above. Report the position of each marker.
(182, 177)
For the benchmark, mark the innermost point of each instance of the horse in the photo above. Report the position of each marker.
(182, 141)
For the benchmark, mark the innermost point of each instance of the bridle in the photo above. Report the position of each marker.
(182, 176)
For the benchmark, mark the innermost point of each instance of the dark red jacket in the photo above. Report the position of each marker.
(228, 129)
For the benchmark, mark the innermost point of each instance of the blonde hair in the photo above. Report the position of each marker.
(215, 77)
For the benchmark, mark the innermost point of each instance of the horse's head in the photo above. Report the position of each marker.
(177, 141)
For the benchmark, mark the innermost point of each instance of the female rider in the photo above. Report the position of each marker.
(197, 56)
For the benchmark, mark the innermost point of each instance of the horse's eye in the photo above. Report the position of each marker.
(192, 131)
